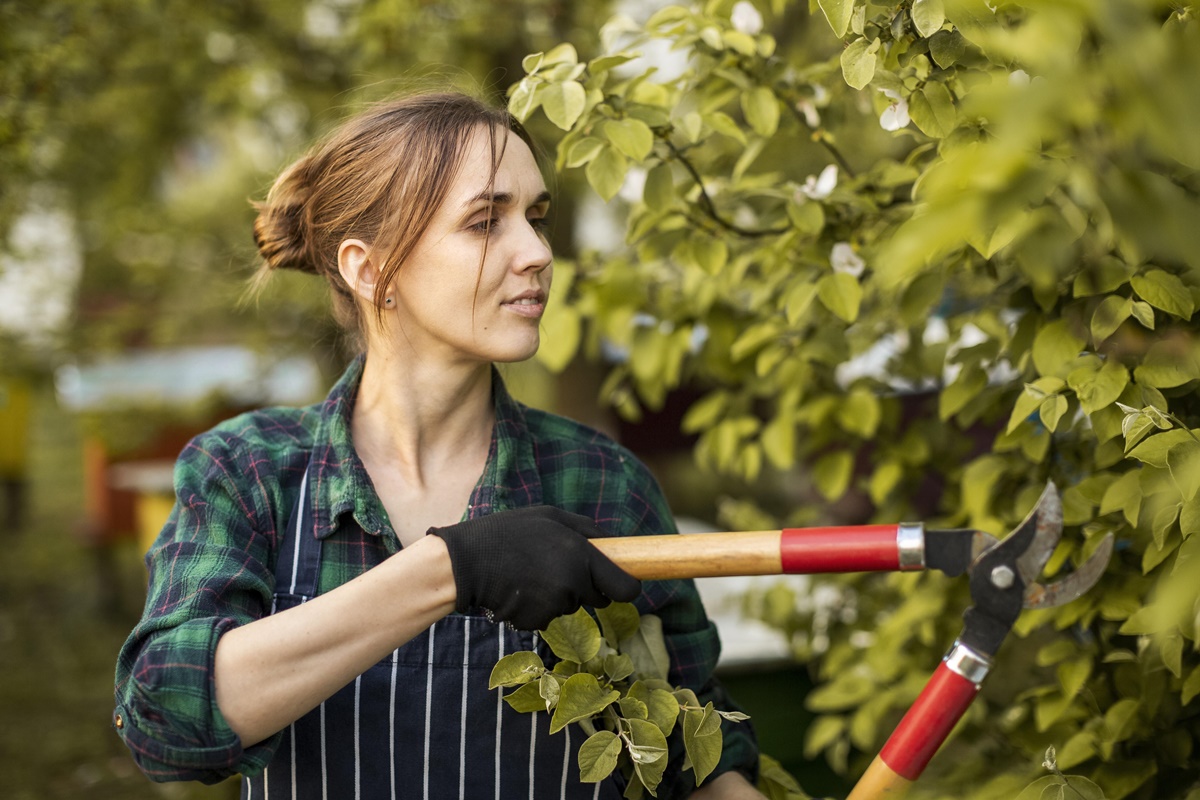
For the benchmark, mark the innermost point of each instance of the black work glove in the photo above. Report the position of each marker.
(530, 565)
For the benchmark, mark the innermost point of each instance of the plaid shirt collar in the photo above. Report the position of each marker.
(339, 483)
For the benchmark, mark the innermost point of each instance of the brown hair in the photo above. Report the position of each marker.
(379, 177)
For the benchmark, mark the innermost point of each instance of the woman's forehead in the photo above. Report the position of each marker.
(516, 170)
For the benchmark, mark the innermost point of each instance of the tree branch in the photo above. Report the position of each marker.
(710, 209)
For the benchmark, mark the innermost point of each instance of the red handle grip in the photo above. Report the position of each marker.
(861, 548)
(940, 706)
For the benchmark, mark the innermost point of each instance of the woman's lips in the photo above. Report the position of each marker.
(531, 307)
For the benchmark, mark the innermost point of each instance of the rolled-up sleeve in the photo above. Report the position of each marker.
(208, 573)
(691, 638)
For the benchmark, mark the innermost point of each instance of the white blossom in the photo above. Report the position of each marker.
(844, 259)
(812, 118)
(746, 19)
(895, 116)
(1019, 78)
(819, 187)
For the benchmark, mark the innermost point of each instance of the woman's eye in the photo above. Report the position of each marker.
(485, 226)
(540, 223)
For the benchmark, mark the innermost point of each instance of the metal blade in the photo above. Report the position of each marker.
(1074, 585)
(1049, 530)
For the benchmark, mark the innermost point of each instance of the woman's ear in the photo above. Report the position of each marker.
(358, 269)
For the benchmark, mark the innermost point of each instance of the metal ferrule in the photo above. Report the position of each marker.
(910, 543)
(964, 661)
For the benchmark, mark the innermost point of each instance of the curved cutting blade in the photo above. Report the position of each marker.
(1074, 585)
(1048, 512)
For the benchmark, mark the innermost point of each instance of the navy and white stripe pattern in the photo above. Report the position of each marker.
(422, 722)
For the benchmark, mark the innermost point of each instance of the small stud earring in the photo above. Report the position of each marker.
(389, 301)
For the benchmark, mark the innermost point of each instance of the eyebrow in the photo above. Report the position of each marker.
(505, 198)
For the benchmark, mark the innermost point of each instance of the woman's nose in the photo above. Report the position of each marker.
(534, 253)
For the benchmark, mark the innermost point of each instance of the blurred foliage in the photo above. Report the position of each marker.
(920, 258)
(152, 124)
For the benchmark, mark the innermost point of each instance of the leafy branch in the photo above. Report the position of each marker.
(613, 684)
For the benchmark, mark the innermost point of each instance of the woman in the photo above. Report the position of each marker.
(324, 600)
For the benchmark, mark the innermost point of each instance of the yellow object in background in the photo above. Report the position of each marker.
(16, 403)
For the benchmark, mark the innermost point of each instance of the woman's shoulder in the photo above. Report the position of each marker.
(262, 434)
(575, 445)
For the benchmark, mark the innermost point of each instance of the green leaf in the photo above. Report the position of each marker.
(1108, 316)
(618, 666)
(838, 12)
(761, 108)
(824, 731)
(561, 331)
(632, 708)
(1097, 389)
(723, 124)
(947, 47)
(966, 387)
(841, 294)
(928, 16)
(527, 699)
(1124, 495)
(702, 740)
(583, 151)
(574, 637)
(1120, 719)
(858, 62)
(1051, 411)
(1154, 450)
(1073, 675)
(516, 669)
(932, 110)
(1183, 460)
(581, 697)
(1191, 687)
(1028, 402)
(648, 649)
(1054, 347)
(564, 103)
(711, 254)
(1164, 291)
(606, 172)
(630, 136)
(659, 192)
(884, 480)
(618, 621)
(598, 756)
(832, 474)
(799, 298)
(648, 751)
(1143, 313)
(860, 413)
(550, 687)
(661, 706)
(1167, 364)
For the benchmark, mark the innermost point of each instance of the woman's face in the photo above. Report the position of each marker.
(456, 301)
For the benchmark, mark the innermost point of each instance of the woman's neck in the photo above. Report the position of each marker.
(423, 419)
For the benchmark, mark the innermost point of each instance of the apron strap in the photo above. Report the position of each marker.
(298, 563)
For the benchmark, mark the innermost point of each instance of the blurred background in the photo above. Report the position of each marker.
(133, 135)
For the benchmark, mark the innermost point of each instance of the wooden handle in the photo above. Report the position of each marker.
(880, 782)
(695, 555)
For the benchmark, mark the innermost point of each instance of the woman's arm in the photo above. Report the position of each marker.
(272, 671)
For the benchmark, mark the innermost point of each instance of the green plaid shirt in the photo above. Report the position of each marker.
(212, 566)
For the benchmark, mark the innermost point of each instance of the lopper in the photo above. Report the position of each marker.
(1002, 573)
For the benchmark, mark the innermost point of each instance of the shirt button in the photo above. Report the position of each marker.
(119, 721)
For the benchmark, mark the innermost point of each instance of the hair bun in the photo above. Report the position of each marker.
(281, 230)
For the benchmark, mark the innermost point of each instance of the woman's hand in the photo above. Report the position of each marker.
(727, 786)
(530, 565)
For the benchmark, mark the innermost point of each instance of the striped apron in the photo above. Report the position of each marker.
(422, 722)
